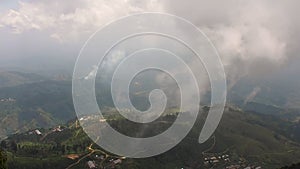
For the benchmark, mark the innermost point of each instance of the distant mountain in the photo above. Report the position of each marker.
(267, 96)
(38, 104)
(14, 78)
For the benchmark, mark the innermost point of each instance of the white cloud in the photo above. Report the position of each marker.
(253, 39)
(245, 32)
(251, 35)
(70, 19)
(92, 74)
(252, 95)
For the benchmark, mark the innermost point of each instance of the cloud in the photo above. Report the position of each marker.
(252, 95)
(69, 20)
(253, 37)
(92, 74)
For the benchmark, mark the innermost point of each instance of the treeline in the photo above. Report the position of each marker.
(36, 163)
(31, 151)
(44, 149)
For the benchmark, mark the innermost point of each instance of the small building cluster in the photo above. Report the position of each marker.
(107, 163)
(91, 164)
(7, 100)
(57, 129)
(92, 118)
(118, 161)
(216, 159)
(36, 131)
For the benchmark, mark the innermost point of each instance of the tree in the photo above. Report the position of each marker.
(63, 149)
(14, 146)
(3, 144)
(3, 160)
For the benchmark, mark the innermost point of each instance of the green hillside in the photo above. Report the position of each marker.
(247, 138)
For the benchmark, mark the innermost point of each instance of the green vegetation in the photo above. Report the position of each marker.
(3, 159)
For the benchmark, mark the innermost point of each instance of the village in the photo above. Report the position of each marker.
(4, 100)
(223, 160)
(102, 162)
(39, 133)
(95, 159)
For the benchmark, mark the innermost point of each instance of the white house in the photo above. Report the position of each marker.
(91, 164)
(38, 132)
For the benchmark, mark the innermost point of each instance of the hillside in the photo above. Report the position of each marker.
(28, 100)
(40, 104)
(259, 134)
(247, 138)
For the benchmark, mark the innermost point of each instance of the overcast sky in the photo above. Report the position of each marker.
(253, 37)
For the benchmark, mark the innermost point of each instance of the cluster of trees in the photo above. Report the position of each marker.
(31, 149)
